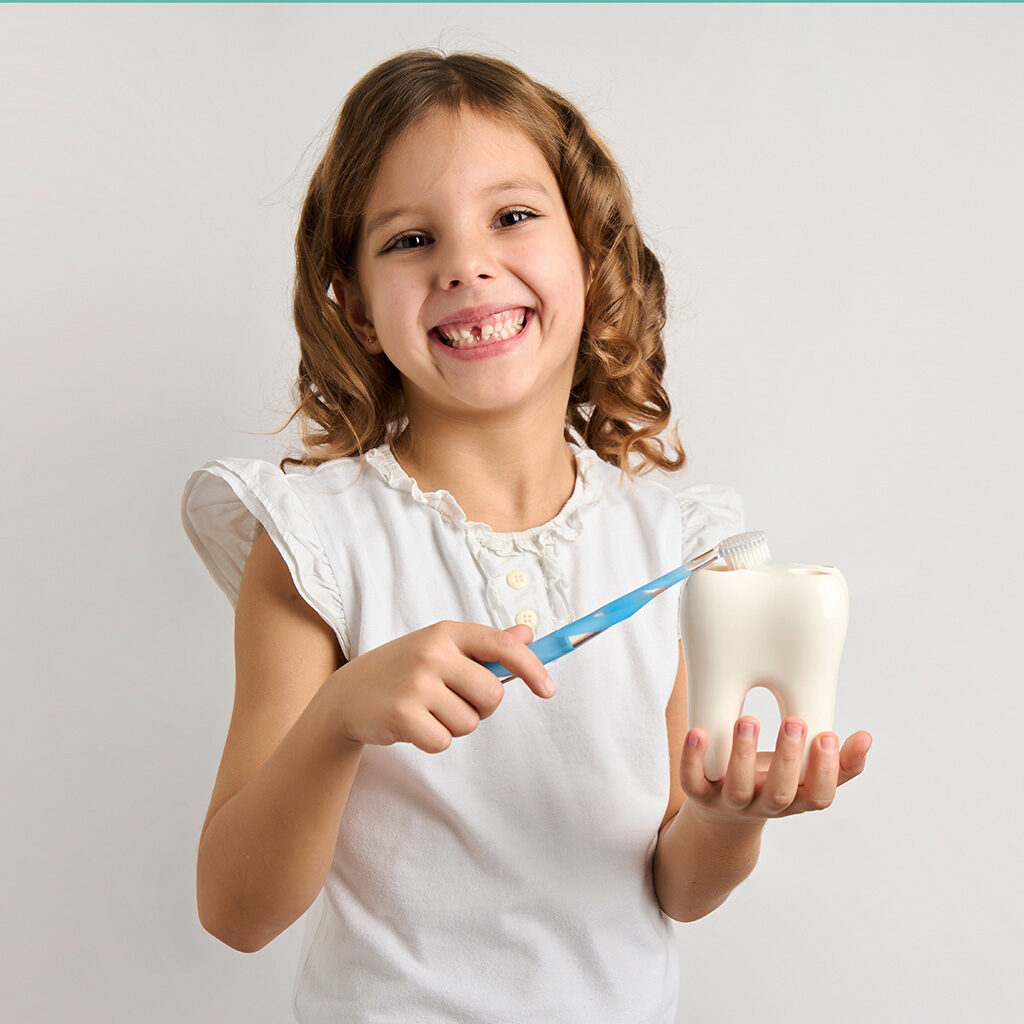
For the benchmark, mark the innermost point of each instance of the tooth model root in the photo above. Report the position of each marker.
(778, 626)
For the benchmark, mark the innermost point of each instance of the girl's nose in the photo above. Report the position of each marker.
(463, 259)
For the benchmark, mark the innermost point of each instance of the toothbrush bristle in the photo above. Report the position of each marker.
(745, 550)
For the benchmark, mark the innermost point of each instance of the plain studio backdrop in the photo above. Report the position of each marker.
(834, 192)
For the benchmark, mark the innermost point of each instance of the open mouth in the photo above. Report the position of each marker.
(491, 331)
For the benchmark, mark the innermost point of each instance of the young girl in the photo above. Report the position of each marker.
(481, 356)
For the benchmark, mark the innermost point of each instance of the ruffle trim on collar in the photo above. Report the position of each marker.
(565, 526)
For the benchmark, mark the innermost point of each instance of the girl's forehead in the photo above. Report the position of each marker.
(464, 123)
(467, 141)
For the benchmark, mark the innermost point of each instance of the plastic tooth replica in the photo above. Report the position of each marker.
(778, 626)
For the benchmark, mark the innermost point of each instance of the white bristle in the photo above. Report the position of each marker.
(745, 550)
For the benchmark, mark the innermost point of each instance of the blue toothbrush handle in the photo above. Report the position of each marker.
(554, 645)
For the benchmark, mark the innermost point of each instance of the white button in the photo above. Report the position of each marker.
(527, 617)
(517, 579)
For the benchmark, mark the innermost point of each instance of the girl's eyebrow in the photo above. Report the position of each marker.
(512, 185)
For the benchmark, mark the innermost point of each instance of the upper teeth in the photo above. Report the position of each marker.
(497, 327)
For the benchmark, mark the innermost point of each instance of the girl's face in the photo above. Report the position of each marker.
(480, 222)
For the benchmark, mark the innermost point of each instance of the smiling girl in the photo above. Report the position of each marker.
(480, 390)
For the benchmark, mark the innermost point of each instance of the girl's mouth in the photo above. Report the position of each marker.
(477, 348)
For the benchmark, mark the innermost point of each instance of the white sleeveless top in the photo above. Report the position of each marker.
(508, 878)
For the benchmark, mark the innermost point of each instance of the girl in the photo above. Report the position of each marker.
(481, 354)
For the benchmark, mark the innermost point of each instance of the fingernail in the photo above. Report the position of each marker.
(746, 728)
(693, 739)
(548, 687)
(828, 743)
(794, 730)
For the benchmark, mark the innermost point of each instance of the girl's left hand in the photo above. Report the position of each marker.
(766, 784)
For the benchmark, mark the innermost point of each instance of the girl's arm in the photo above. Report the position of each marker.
(698, 864)
(286, 772)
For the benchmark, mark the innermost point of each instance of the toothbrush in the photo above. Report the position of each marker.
(741, 551)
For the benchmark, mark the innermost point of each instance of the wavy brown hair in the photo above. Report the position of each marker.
(349, 400)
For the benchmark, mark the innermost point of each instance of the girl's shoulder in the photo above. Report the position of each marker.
(699, 503)
(228, 501)
(718, 502)
(708, 512)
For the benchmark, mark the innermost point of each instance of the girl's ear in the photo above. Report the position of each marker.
(350, 298)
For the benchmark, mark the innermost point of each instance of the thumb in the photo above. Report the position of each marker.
(545, 687)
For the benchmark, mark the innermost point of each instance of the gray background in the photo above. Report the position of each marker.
(835, 194)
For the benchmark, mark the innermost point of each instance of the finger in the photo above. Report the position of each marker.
(853, 756)
(691, 766)
(426, 732)
(459, 715)
(469, 690)
(508, 647)
(819, 789)
(783, 780)
(738, 784)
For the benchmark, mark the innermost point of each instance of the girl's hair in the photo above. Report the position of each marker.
(349, 400)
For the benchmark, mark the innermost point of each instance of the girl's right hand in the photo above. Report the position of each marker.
(428, 686)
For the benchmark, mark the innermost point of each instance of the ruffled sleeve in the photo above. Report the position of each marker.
(710, 513)
(224, 506)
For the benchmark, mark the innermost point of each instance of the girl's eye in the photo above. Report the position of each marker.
(397, 243)
(510, 213)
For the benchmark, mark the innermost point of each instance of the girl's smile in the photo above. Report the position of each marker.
(486, 342)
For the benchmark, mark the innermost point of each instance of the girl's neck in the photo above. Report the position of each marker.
(510, 487)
